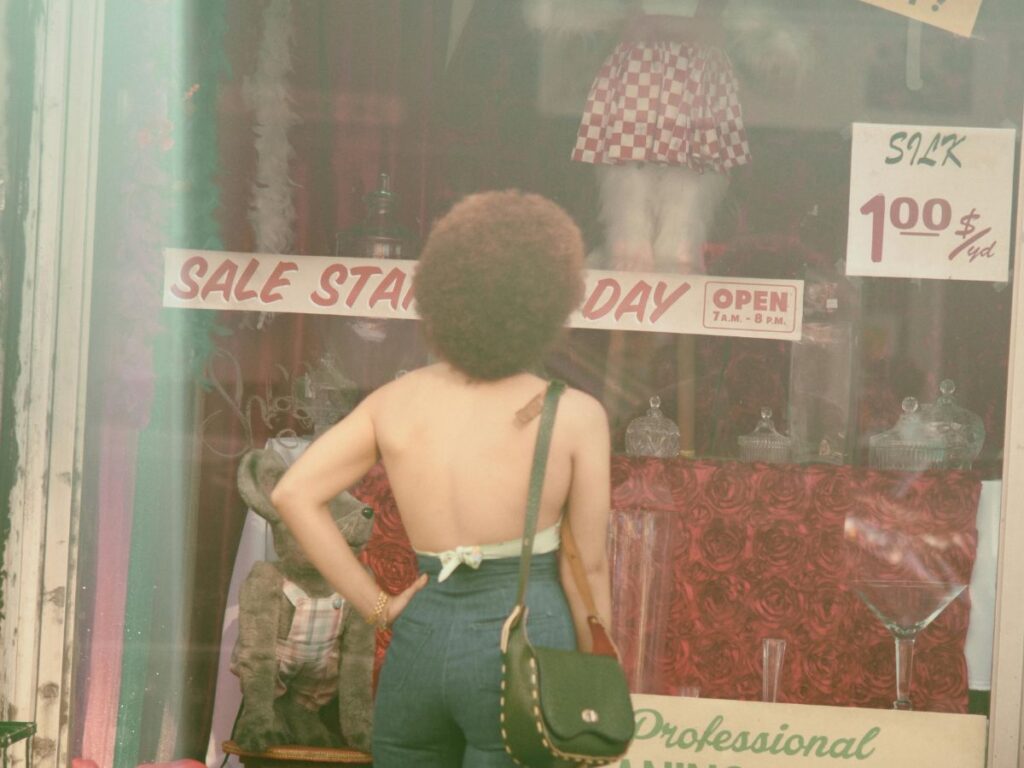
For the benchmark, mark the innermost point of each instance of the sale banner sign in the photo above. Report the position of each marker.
(930, 202)
(956, 16)
(377, 288)
(677, 732)
(633, 301)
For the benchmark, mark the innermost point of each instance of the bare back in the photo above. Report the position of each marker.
(458, 458)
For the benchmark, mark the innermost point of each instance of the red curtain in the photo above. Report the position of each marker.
(365, 75)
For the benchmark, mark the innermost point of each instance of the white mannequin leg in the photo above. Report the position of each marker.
(627, 212)
(686, 204)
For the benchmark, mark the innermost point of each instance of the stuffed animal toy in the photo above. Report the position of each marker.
(662, 123)
(300, 646)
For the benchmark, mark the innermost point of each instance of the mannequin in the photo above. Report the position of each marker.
(663, 124)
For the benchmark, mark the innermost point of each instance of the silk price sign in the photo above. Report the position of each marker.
(956, 16)
(676, 732)
(930, 202)
(632, 301)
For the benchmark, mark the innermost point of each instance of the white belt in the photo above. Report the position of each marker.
(545, 541)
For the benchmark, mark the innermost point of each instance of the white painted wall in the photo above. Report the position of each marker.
(1006, 719)
(41, 553)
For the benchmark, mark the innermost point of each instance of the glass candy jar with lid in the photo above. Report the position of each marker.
(765, 443)
(912, 444)
(653, 435)
(379, 235)
(962, 431)
(328, 395)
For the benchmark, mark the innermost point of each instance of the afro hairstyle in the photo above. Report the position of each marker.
(498, 277)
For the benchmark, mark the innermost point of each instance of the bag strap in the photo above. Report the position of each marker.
(601, 642)
(540, 462)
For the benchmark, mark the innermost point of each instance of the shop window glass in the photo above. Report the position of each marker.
(343, 128)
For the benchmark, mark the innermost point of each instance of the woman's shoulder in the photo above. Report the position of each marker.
(582, 401)
(583, 423)
(393, 394)
(405, 382)
(582, 409)
(438, 385)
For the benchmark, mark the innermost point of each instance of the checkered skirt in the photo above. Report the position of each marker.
(664, 102)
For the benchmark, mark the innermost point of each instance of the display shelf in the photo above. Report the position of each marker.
(293, 756)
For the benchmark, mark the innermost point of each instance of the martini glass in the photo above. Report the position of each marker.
(905, 608)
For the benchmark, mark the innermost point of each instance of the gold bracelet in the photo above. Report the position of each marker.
(379, 617)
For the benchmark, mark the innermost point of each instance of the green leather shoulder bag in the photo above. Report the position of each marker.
(560, 708)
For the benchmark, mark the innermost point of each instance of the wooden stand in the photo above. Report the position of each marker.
(298, 757)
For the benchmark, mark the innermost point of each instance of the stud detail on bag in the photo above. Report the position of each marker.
(589, 716)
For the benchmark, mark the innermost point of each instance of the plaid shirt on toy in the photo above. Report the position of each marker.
(308, 658)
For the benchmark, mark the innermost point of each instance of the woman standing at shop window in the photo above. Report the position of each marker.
(497, 279)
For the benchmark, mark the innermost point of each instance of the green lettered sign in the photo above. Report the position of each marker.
(713, 733)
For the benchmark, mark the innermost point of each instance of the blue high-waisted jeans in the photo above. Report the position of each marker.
(438, 694)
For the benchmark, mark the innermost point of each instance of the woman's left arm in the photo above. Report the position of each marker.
(334, 462)
(589, 509)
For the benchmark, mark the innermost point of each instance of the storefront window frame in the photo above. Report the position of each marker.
(38, 632)
(1006, 713)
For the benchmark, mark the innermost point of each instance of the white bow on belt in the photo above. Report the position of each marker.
(453, 558)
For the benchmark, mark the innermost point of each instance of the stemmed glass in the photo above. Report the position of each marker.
(905, 607)
(906, 576)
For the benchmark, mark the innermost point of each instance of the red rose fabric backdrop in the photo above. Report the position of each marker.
(711, 557)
